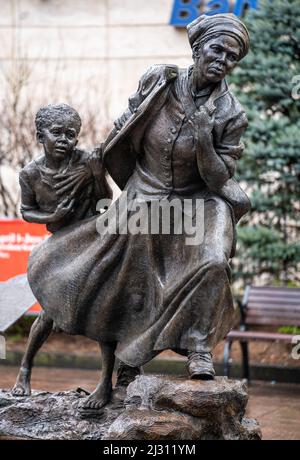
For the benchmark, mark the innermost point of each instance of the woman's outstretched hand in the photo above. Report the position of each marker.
(95, 162)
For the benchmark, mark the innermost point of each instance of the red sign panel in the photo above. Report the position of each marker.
(17, 239)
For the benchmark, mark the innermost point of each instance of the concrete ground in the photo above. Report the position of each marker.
(275, 406)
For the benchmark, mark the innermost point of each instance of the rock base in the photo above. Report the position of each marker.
(151, 408)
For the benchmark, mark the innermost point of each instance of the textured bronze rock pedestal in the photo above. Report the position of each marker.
(152, 408)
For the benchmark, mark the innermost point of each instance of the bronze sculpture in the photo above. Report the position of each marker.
(139, 294)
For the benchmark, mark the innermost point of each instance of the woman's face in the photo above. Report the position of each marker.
(216, 59)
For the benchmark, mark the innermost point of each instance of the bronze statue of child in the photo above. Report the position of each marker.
(59, 188)
(62, 186)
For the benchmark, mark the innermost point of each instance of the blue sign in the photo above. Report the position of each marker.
(185, 11)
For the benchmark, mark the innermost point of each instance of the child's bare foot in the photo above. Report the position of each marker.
(22, 385)
(99, 398)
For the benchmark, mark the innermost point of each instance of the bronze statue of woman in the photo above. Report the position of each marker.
(140, 294)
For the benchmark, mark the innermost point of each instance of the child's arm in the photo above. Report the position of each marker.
(29, 207)
(42, 217)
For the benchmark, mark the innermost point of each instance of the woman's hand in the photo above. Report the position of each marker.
(71, 182)
(203, 121)
(211, 167)
(95, 162)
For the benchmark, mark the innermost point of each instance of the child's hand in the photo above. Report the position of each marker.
(63, 209)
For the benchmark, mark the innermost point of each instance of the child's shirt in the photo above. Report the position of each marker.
(38, 192)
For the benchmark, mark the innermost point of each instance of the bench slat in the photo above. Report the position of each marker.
(269, 321)
(273, 314)
(275, 299)
(255, 335)
(280, 293)
(276, 296)
(273, 306)
(271, 311)
(272, 289)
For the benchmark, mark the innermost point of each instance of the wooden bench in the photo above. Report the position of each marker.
(263, 306)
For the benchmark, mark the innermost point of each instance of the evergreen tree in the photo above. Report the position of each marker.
(267, 83)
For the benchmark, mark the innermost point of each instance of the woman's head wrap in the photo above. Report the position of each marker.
(205, 27)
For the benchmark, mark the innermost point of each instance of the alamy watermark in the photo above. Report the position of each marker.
(156, 217)
(296, 349)
(296, 87)
(2, 347)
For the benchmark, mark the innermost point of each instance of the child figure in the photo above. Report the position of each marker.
(62, 186)
(59, 188)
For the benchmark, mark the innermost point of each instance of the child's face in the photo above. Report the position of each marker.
(59, 138)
